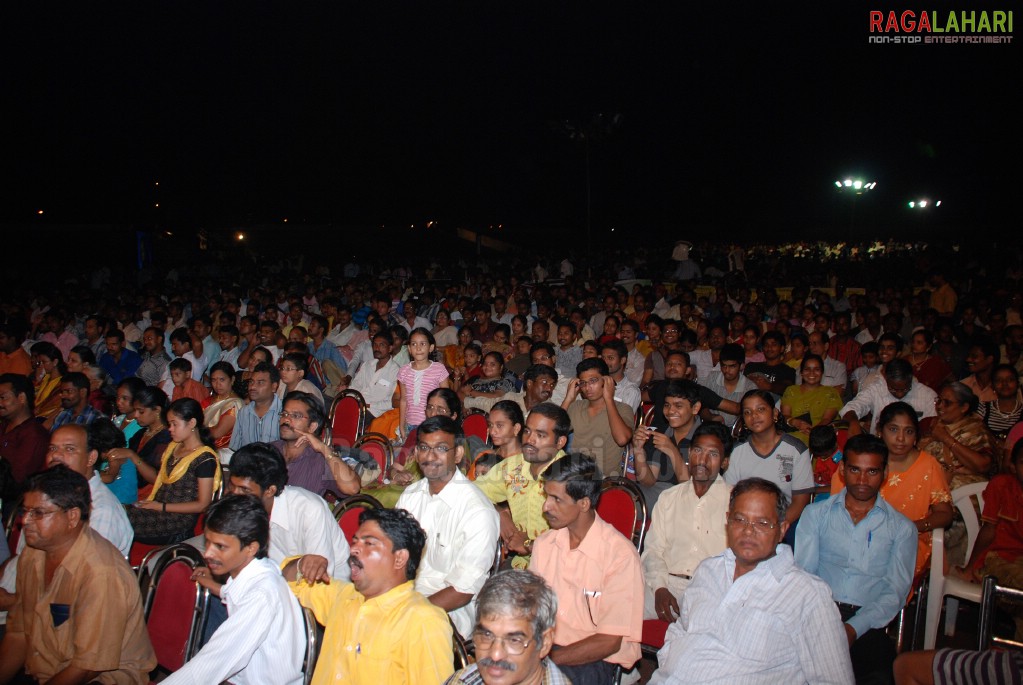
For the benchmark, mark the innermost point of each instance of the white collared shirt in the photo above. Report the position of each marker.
(263, 639)
(461, 540)
(301, 523)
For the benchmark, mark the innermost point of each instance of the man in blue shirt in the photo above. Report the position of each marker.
(865, 551)
(119, 362)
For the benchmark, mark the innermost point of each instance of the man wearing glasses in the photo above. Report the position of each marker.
(750, 614)
(312, 463)
(515, 614)
(461, 524)
(78, 613)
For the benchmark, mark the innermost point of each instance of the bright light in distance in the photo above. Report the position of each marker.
(239, 236)
(938, 203)
(838, 184)
(912, 205)
(848, 182)
(39, 212)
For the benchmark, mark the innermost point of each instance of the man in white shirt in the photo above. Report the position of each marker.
(460, 522)
(750, 615)
(898, 385)
(263, 639)
(686, 524)
(375, 380)
(835, 374)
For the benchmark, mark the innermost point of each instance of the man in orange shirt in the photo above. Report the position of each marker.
(13, 358)
(595, 572)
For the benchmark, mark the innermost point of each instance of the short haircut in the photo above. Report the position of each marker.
(562, 423)
(759, 485)
(581, 476)
(84, 353)
(719, 431)
(544, 346)
(404, 532)
(733, 352)
(299, 359)
(21, 385)
(115, 333)
(440, 424)
(102, 435)
(230, 329)
(592, 364)
(261, 463)
(870, 348)
(681, 353)
(891, 337)
(898, 370)
(180, 364)
(311, 402)
(987, 346)
(181, 335)
(823, 440)
(267, 367)
(773, 335)
(77, 379)
(242, 516)
(865, 443)
(616, 346)
(521, 594)
(157, 333)
(66, 488)
(537, 370)
(684, 389)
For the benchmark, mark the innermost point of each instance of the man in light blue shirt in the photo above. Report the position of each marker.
(865, 551)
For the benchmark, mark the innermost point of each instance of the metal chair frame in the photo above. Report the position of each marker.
(328, 429)
(163, 557)
(641, 514)
(380, 439)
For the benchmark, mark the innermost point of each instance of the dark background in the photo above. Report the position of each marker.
(363, 119)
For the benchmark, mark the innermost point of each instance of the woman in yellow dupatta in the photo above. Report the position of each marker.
(182, 489)
(47, 369)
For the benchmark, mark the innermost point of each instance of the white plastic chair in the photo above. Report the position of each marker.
(953, 587)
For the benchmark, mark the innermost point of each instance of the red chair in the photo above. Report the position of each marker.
(475, 423)
(175, 606)
(347, 418)
(378, 447)
(653, 636)
(623, 505)
(348, 511)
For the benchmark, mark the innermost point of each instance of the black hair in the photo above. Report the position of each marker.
(268, 368)
(732, 352)
(823, 440)
(50, 351)
(311, 402)
(180, 364)
(404, 532)
(537, 370)
(562, 423)
(592, 364)
(299, 359)
(181, 335)
(224, 367)
(84, 353)
(719, 431)
(21, 385)
(77, 379)
(510, 409)
(263, 464)
(759, 485)
(440, 424)
(66, 488)
(864, 443)
(102, 435)
(242, 516)
(581, 476)
(617, 346)
(152, 397)
(189, 409)
(685, 389)
(450, 398)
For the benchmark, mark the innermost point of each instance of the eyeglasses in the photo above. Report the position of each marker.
(437, 409)
(942, 402)
(484, 639)
(28, 514)
(293, 415)
(599, 380)
(760, 526)
(442, 450)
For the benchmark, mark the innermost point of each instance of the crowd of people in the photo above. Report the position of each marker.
(796, 445)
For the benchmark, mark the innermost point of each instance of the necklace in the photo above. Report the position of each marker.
(996, 409)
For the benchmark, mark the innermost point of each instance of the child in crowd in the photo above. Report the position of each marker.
(871, 365)
(825, 457)
(185, 385)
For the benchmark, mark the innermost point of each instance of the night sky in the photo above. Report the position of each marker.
(735, 119)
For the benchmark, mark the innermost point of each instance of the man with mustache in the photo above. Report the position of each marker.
(312, 463)
(379, 630)
(865, 551)
(686, 527)
(595, 572)
(516, 483)
(459, 521)
(262, 640)
(538, 384)
(515, 615)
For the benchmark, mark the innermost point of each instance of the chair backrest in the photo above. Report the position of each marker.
(461, 653)
(623, 505)
(347, 418)
(348, 511)
(312, 646)
(647, 411)
(962, 499)
(378, 447)
(175, 607)
(475, 423)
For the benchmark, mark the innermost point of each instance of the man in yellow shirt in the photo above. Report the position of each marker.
(516, 481)
(378, 628)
